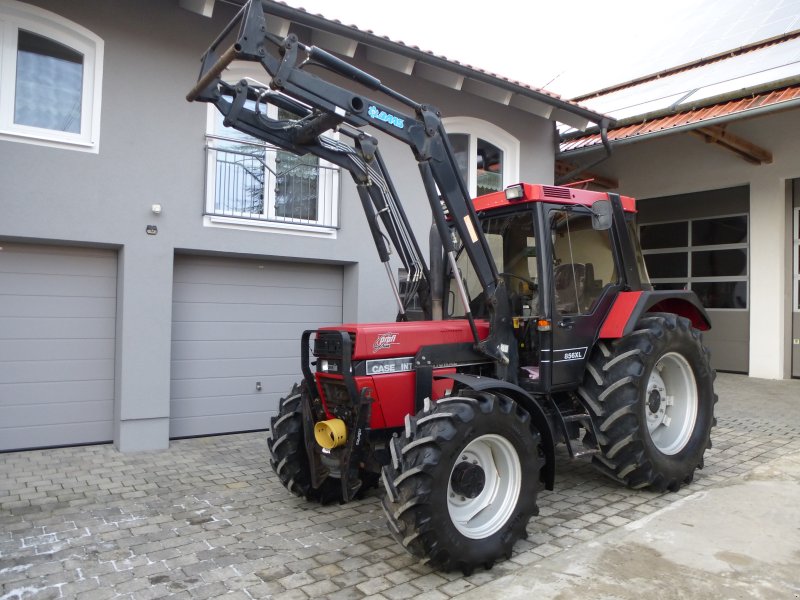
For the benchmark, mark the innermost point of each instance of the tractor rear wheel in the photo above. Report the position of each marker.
(288, 457)
(463, 481)
(651, 398)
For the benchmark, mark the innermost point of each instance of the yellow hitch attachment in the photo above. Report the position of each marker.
(331, 433)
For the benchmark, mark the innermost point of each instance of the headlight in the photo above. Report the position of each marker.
(328, 366)
(515, 192)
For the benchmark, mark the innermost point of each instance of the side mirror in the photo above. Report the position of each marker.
(601, 215)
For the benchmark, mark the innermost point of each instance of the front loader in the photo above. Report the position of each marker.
(540, 327)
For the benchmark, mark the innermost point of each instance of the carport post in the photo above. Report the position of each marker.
(769, 202)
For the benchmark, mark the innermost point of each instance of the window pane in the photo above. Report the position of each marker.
(240, 179)
(666, 235)
(49, 84)
(669, 265)
(722, 294)
(460, 144)
(727, 230)
(712, 263)
(490, 168)
(640, 263)
(584, 263)
(296, 184)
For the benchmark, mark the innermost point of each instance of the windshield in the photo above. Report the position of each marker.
(513, 247)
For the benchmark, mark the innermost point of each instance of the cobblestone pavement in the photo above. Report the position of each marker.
(208, 518)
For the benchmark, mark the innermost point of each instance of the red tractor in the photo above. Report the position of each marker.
(538, 326)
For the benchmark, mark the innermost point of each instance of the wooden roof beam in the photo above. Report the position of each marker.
(563, 167)
(747, 150)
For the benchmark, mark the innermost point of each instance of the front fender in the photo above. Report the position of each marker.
(529, 403)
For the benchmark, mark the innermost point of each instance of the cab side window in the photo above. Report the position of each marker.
(583, 263)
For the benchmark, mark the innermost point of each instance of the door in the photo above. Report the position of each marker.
(584, 274)
(57, 332)
(236, 328)
(700, 242)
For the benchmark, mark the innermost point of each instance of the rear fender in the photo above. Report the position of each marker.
(529, 403)
(629, 307)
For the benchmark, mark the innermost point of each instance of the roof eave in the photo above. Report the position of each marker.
(722, 119)
(704, 103)
(307, 19)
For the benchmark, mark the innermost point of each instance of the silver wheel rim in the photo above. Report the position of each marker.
(671, 403)
(486, 513)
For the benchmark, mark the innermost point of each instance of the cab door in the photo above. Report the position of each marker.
(584, 280)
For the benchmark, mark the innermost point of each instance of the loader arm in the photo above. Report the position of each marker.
(321, 105)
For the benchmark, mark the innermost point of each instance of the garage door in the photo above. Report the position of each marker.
(236, 327)
(57, 324)
(700, 241)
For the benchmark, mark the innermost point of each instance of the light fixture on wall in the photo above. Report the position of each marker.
(156, 208)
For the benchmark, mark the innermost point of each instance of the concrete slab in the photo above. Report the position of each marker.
(738, 540)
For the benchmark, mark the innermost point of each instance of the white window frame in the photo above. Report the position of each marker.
(329, 178)
(477, 128)
(690, 249)
(16, 15)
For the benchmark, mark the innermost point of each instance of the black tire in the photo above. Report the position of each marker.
(422, 494)
(645, 441)
(287, 453)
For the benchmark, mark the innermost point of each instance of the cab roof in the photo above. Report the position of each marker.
(548, 193)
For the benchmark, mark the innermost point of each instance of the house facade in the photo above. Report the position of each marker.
(157, 269)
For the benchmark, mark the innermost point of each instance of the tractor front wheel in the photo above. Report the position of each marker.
(287, 452)
(463, 481)
(651, 398)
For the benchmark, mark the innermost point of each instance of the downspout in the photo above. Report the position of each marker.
(580, 169)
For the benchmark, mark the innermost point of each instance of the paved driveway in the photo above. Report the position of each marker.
(208, 518)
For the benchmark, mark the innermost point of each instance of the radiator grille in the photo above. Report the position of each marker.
(329, 344)
(337, 400)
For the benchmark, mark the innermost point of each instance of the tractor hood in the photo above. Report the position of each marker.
(375, 340)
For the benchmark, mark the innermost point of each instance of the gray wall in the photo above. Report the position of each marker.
(152, 151)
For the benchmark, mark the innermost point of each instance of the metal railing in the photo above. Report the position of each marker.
(255, 181)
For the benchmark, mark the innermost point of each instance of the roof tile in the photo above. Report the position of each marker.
(734, 107)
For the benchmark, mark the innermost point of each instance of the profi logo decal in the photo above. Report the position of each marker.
(384, 341)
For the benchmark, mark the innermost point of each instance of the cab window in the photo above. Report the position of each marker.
(513, 247)
(583, 262)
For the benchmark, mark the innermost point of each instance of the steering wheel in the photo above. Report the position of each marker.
(531, 283)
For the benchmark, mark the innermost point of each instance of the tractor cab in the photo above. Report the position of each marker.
(556, 258)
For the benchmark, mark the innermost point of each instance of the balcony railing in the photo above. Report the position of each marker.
(258, 182)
